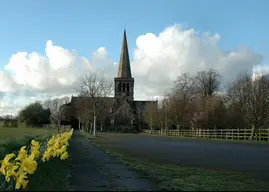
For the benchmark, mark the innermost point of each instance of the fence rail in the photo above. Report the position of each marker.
(227, 134)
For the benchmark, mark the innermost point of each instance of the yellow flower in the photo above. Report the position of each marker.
(22, 154)
(21, 181)
(5, 164)
(47, 155)
(64, 156)
(34, 154)
(63, 148)
(35, 145)
(24, 164)
(11, 172)
(28, 165)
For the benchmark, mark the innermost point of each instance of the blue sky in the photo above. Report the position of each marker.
(86, 25)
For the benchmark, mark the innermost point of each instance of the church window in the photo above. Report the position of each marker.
(128, 87)
(119, 87)
(123, 87)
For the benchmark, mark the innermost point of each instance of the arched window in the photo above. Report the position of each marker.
(119, 87)
(123, 87)
(128, 87)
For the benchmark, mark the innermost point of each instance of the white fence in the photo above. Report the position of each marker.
(228, 134)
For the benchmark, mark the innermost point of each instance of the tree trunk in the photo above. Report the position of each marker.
(87, 127)
(161, 127)
(253, 130)
(139, 126)
(101, 126)
(58, 127)
(79, 124)
(94, 125)
(90, 128)
(178, 127)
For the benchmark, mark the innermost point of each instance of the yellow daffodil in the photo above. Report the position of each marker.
(64, 156)
(28, 165)
(25, 164)
(22, 181)
(11, 172)
(22, 154)
(5, 164)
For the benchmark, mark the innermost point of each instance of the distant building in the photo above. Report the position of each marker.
(123, 113)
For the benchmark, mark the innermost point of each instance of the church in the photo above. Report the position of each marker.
(124, 113)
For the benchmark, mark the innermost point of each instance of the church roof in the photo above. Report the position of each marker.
(124, 70)
(82, 101)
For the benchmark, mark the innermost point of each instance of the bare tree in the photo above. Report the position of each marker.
(97, 87)
(54, 106)
(164, 121)
(251, 96)
(179, 101)
(139, 114)
(207, 82)
(151, 115)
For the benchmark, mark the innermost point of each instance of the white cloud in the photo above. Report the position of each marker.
(57, 71)
(158, 60)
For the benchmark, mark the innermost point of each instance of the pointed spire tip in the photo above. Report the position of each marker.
(124, 69)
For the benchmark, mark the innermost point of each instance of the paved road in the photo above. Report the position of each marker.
(91, 169)
(232, 156)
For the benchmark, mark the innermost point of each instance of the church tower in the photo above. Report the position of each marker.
(124, 83)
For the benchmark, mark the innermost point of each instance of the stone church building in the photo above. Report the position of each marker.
(123, 112)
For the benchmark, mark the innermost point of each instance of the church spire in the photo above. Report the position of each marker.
(124, 70)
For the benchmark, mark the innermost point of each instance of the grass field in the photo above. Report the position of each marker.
(171, 177)
(52, 175)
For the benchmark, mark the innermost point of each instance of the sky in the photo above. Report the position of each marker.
(47, 46)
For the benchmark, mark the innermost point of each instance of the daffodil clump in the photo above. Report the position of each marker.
(57, 146)
(18, 167)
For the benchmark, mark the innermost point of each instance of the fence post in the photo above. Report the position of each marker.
(268, 134)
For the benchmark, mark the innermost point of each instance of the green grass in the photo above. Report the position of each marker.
(49, 176)
(171, 177)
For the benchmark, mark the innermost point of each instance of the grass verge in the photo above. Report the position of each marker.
(49, 176)
(170, 177)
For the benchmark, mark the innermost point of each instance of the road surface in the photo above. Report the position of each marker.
(91, 169)
(250, 158)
